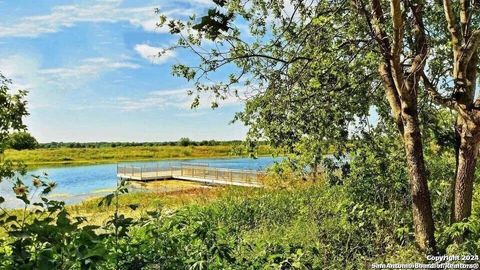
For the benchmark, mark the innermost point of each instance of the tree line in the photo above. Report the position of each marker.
(181, 142)
(22, 140)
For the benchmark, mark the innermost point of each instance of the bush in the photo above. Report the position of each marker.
(184, 142)
(21, 141)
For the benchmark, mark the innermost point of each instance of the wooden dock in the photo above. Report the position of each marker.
(191, 172)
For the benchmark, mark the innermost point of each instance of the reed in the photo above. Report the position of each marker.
(59, 156)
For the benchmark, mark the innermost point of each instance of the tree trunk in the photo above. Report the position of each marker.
(421, 204)
(468, 132)
(456, 146)
(467, 160)
(405, 113)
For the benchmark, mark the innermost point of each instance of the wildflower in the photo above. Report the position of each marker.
(20, 190)
(36, 182)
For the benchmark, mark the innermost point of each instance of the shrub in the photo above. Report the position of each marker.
(184, 142)
(22, 140)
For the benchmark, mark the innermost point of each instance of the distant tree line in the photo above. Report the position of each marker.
(181, 142)
(23, 140)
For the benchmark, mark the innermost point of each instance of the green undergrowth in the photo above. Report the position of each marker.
(313, 227)
(302, 226)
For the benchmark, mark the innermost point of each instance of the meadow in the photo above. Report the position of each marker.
(59, 156)
(152, 197)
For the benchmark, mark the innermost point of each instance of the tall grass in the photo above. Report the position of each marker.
(55, 156)
(147, 201)
(310, 227)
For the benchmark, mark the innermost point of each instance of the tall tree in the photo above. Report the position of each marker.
(311, 70)
(12, 111)
(22, 140)
(401, 69)
(465, 40)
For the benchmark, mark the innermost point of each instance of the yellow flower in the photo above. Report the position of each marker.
(36, 182)
(20, 190)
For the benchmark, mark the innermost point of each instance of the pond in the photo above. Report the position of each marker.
(77, 183)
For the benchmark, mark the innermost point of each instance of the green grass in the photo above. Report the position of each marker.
(56, 156)
(302, 226)
(179, 194)
(309, 227)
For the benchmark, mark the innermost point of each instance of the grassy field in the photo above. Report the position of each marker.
(55, 156)
(168, 194)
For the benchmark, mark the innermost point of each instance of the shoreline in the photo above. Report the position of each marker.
(157, 188)
(58, 157)
(53, 164)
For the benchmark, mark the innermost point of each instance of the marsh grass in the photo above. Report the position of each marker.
(179, 194)
(56, 156)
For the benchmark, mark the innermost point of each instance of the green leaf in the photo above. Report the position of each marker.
(107, 200)
(134, 206)
(11, 219)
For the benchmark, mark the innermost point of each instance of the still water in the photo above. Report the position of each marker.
(77, 183)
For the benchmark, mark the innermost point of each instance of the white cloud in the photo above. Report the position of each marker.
(88, 67)
(203, 2)
(64, 16)
(68, 15)
(152, 53)
(21, 70)
(72, 77)
(151, 26)
(174, 98)
(26, 72)
(153, 100)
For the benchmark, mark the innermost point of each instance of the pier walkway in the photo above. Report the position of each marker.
(191, 172)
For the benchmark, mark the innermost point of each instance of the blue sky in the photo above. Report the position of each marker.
(89, 68)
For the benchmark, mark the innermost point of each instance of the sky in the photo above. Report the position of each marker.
(91, 73)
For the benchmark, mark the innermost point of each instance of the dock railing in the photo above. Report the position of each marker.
(129, 170)
(189, 171)
(217, 174)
